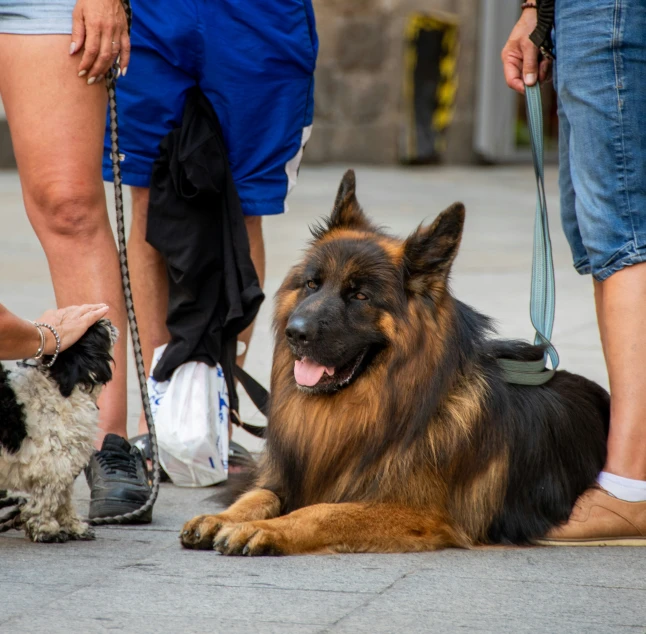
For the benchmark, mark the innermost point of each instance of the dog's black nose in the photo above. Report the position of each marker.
(300, 331)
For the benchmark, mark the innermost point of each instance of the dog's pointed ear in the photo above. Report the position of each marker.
(347, 212)
(430, 251)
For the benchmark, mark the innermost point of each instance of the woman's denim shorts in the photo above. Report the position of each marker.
(600, 80)
(36, 17)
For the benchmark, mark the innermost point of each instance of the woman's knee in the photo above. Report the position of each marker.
(68, 211)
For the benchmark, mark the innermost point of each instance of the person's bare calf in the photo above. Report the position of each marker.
(149, 285)
(621, 312)
(257, 247)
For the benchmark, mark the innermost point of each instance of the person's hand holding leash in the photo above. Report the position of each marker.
(100, 28)
(520, 55)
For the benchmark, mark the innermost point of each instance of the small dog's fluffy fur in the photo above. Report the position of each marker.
(48, 424)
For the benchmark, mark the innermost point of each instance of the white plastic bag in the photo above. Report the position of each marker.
(191, 414)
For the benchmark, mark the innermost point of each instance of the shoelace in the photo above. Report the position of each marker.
(118, 462)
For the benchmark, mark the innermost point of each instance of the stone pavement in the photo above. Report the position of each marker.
(138, 579)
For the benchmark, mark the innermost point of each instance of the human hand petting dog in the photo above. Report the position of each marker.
(520, 55)
(100, 29)
(19, 339)
(71, 324)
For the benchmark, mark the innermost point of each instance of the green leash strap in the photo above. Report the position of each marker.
(525, 372)
(542, 301)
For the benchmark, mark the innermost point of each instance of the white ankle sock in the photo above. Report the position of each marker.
(623, 488)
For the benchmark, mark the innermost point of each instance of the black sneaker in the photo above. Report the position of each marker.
(118, 479)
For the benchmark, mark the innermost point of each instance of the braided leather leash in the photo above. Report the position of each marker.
(111, 83)
(12, 518)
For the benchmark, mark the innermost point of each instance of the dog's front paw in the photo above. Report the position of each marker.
(81, 532)
(44, 532)
(49, 538)
(252, 539)
(201, 530)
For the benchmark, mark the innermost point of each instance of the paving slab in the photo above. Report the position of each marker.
(138, 579)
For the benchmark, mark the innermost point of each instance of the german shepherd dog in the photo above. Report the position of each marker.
(391, 428)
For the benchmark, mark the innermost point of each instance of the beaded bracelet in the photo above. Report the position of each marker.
(528, 5)
(41, 348)
(58, 344)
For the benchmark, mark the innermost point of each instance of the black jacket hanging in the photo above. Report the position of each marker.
(195, 221)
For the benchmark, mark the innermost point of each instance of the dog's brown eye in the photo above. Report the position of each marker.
(312, 284)
(360, 296)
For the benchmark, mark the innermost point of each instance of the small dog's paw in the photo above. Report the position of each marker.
(252, 539)
(49, 538)
(201, 530)
(81, 532)
(45, 532)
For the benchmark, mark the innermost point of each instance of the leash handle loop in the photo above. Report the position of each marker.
(543, 296)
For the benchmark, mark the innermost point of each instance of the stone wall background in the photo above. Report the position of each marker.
(359, 78)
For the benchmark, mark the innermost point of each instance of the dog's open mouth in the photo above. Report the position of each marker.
(315, 376)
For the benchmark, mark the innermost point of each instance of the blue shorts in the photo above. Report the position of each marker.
(600, 80)
(253, 59)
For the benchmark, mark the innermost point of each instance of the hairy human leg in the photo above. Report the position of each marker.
(57, 125)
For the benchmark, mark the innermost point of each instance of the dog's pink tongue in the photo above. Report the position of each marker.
(309, 373)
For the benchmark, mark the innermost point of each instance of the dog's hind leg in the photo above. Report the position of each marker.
(349, 527)
(70, 522)
(258, 504)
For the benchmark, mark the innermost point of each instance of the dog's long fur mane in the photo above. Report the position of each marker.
(431, 423)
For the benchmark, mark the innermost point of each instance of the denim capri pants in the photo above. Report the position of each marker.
(36, 17)
(600, 79)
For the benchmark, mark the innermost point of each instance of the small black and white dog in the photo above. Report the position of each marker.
(48, 424)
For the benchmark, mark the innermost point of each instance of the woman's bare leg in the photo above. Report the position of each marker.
(57, 125)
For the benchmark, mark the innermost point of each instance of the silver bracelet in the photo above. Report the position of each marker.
(58, 344)
(41, 348)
